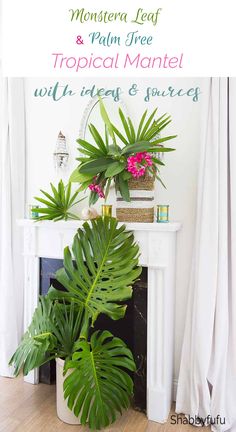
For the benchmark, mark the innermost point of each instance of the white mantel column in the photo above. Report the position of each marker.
(31, 285)
(160, 331)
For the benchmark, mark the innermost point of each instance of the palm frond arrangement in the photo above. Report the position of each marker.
(58, 205)
(131, 153)
(98, 274)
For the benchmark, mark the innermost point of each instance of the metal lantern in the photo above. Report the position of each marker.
(61, 154)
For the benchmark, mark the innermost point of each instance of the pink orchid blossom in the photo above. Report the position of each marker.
(97, 189)
(138, 163)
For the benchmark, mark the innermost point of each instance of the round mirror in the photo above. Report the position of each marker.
(92, 115)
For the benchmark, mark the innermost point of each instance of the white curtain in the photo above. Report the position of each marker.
(207, 379)
(12, 198)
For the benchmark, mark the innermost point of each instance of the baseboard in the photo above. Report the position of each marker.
(175, 385)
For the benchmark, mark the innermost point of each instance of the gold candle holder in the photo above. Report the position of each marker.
(107, 210)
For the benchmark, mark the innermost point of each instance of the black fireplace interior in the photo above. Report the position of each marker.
(132, 328)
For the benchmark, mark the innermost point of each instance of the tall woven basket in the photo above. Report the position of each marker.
(141, 205)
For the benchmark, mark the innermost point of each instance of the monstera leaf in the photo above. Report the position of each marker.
(37, 341)
(99, 275)
(98, 388)
(53, 331)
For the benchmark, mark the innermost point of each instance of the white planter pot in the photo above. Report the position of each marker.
(63, 412)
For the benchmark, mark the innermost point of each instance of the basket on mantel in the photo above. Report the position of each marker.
(141, 205)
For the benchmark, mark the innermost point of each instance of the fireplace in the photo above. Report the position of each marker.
(158, 250)
(132, 328)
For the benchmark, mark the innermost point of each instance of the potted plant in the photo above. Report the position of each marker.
(127, 157)
(98, 274)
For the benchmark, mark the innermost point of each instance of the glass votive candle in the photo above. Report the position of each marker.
(107, 210)
(162, 213)
(33, 214)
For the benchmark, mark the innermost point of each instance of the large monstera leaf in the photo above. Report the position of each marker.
(98, 387)
(53, 332)
(100, 274)
(37, 341)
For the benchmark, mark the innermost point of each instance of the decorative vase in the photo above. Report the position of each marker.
(141, 205)
(63, 412)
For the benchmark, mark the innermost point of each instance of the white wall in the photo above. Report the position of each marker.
(45, 118)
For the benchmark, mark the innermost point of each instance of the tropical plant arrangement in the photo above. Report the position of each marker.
(98, 274)
(120, 156)
(58, 205)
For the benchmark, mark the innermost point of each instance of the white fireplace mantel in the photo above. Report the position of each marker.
(157, 243)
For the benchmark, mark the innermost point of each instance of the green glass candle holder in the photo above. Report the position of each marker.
(162, 213)
(33, 214)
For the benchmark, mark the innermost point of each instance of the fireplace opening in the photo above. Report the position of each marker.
(132, 328)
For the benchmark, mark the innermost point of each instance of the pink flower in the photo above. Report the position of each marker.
(138, 163)
(97, 189)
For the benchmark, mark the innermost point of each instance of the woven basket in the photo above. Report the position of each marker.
(144, 183)
(141, 207)
(135, 215)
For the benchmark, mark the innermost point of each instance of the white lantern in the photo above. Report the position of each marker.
(61, 155)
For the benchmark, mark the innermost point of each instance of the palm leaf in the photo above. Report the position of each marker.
(58, 205)
(98, 388)
(157, 126)
(96, 276)
(106, 137)
(137, 147)
(47, 203)
(160, 180)
(68, 195)
(93, 198)
(98, 139)
(106, 120)
(123, 187)
(61, 190)
(50, 197)
(161, 140)
(147, 124)
(95, 166)
(125, 125)
(107, 190)
(132, 130)
(119, 134)
(141, 125)
(89, 147)
(158, 161)
(56, 193)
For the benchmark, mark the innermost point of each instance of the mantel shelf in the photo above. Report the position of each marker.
(73, 224)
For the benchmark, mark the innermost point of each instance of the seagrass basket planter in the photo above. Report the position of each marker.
(141, 205)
